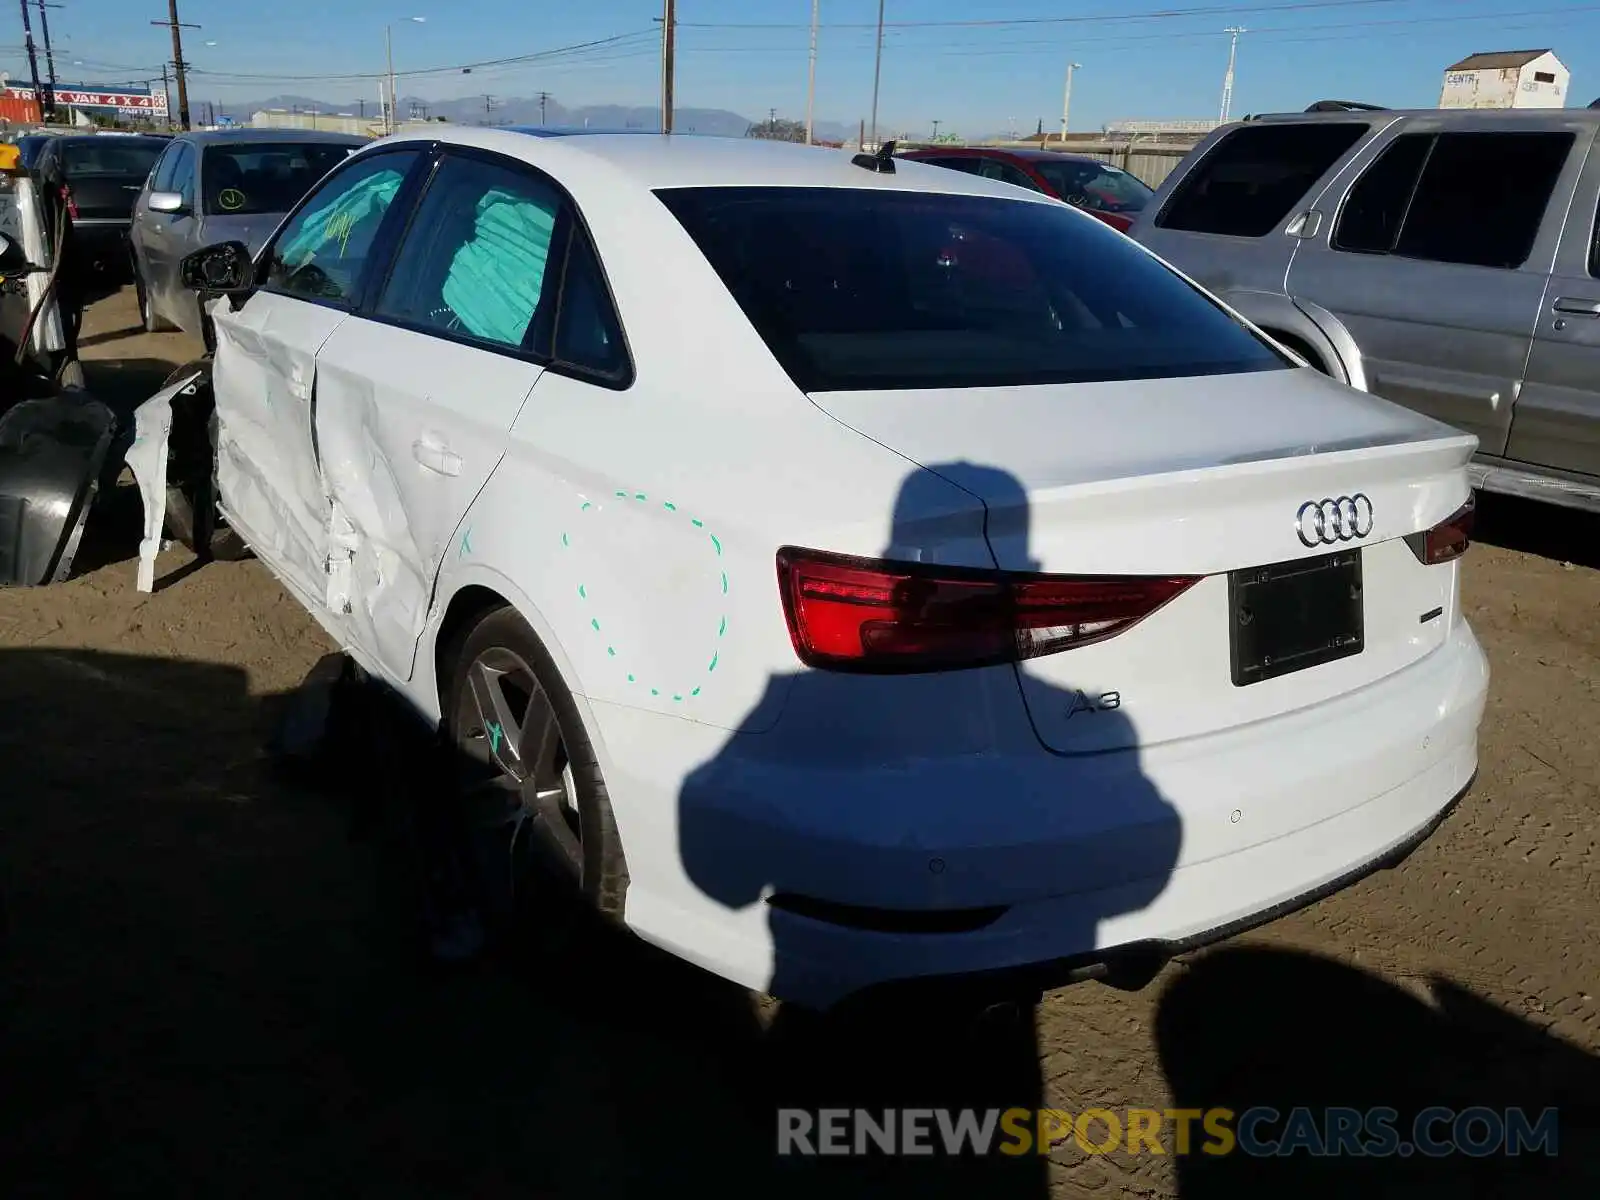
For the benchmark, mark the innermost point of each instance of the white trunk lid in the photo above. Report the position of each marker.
(1196, 476)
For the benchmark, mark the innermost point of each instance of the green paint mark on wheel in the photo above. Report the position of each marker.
(495, 735)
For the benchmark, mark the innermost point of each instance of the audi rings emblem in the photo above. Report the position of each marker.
(1324, 522)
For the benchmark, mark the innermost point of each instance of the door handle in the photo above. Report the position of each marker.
(435, 456)
(1577, 307)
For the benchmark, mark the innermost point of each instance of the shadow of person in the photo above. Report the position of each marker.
(1250, 1028)
(909, 847)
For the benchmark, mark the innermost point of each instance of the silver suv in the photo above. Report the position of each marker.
(1448, 261)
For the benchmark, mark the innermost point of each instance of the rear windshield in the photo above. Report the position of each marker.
(111, 156)
(1095, 186)
(265, 177)
(861, 290)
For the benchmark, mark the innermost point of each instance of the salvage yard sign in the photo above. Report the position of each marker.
(126, 100)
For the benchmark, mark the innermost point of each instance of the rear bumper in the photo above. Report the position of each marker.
(816, 883)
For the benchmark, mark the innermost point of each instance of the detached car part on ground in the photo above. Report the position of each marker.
(55, 442)
(946, 587)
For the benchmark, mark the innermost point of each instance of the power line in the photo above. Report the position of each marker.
(537, 56)
(1150, 15)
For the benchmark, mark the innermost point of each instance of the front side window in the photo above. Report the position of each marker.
(161, 176)
(251, 178)
(1095, 186)
(322, 252)
(183, 175)
(871, 290)
(473, 263)
(1253, 177)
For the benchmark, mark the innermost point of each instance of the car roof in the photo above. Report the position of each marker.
(1030, 154)
(227, 137)
(669, 160)
(1371, 116)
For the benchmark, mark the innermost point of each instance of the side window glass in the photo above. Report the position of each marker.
(995, 169)
(183, 175)
(473, 262)
(967, 166)
(1251, 180)
(1594, 247)
(1370, 221)
(321, 253)
(1482, 197)
(588, 331)
(161, 177)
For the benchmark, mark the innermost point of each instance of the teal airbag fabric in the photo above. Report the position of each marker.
(336, 222)
(495, 278)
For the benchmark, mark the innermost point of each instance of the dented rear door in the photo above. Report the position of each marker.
(417, 396)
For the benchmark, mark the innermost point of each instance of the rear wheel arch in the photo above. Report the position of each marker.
(1301, 347)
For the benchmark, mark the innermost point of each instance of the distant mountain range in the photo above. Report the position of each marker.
(517, 110)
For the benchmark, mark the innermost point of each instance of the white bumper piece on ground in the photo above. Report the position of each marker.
(147, 459)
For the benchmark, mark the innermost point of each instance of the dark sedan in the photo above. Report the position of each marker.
(97, 178)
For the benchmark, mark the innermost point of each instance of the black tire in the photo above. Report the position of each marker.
(192, 516)
(557, 859)
(152, 323)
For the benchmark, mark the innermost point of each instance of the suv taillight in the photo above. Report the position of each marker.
(1448, 540)
(866, 615)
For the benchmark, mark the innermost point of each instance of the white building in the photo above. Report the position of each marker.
(1506, 79)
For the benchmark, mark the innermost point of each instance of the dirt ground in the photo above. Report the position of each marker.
(203, 990)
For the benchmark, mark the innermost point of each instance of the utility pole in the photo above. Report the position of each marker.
(936, 131)
(1233, 31)
(877, 75)
(390, 117)
(669, 53)
(179, 67)
(33, 60)
(488, 107)
(49, 56)
(544, 99)
(1066, 99)
(811, 82)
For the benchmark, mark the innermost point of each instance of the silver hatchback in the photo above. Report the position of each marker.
(224, 186)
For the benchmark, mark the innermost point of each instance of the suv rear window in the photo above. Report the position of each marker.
(1252, 178)
(111, 156)
(889, 289)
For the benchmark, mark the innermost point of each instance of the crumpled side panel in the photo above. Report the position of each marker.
(377, 572)
(147, 458)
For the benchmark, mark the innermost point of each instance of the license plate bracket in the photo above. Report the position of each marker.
(1290, 616)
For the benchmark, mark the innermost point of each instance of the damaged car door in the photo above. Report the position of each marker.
(309, 280)
(416, 395)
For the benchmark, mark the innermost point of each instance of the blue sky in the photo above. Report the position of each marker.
(975, 78)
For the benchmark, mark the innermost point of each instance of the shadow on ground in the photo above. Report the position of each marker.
(1563, 534)
(211, 975)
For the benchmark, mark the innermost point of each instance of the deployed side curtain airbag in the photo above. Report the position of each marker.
(335, 222)
(495, 278)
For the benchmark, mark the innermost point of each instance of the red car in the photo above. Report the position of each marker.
(1098, 188)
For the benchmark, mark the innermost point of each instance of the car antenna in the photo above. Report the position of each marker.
(881, 162)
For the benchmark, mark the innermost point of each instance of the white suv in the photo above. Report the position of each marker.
(856, 571)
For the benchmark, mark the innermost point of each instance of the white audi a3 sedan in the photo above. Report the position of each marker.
(853, 572)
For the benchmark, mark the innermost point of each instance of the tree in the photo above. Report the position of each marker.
(778, 130)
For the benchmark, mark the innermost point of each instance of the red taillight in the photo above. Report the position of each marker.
(1448, 540)
(857, 614)
(72, 205)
